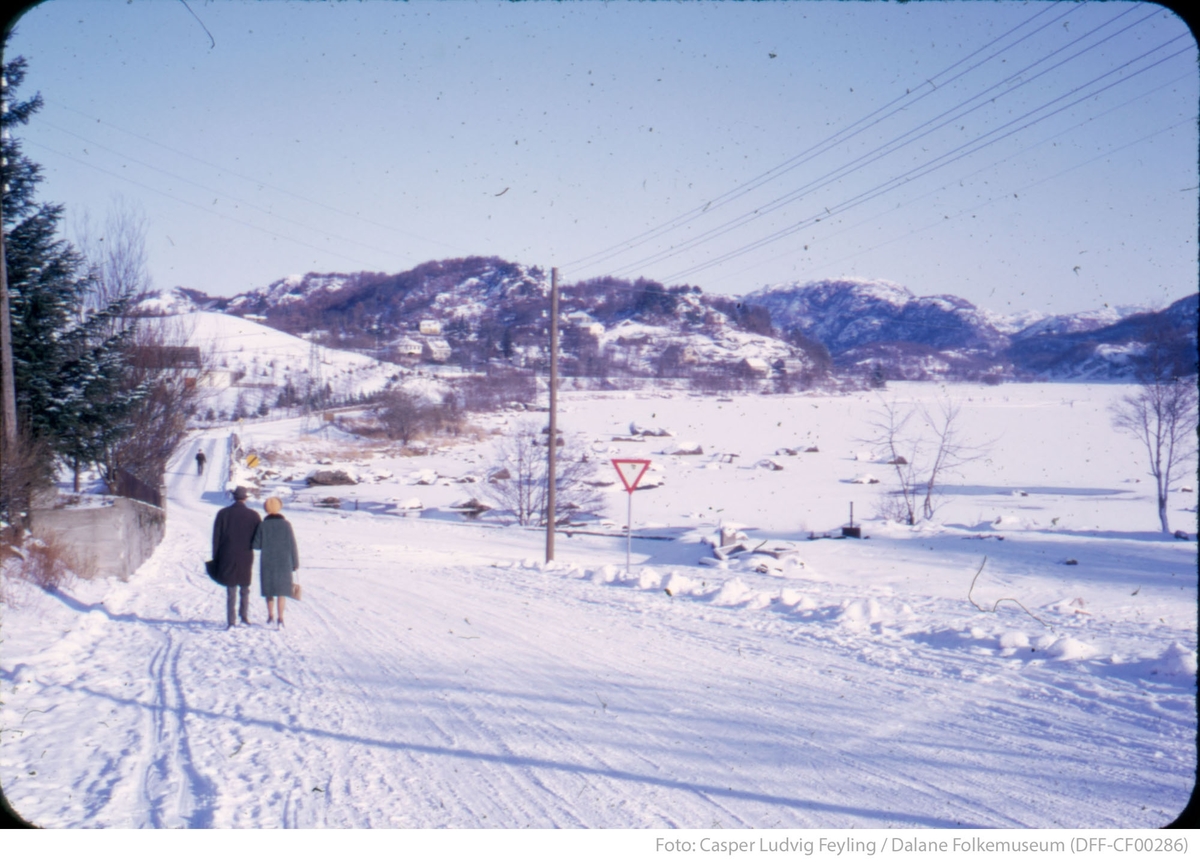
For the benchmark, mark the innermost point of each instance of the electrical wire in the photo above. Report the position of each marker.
(195, 205)
(819, 148)
(217, 192)
(882, 150)
(939, 162)
(260, 182)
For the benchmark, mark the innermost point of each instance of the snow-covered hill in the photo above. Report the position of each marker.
(250, 364)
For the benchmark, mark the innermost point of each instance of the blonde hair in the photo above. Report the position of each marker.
(273, 505)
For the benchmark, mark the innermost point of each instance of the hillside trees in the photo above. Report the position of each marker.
(67, 351)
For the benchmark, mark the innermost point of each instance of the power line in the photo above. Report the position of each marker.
(943, 160)
(197, 206)
(1004, 196)
(217, 192)
(819, 148)
(260, 182)
(883, 150)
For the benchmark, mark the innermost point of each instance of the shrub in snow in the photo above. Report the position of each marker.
(684, 448)
(865, 479)
(410, 504)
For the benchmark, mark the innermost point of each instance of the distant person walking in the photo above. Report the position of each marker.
(233, 531)
(279, 558)
(200, 462)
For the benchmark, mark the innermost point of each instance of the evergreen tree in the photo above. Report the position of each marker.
(67, 357)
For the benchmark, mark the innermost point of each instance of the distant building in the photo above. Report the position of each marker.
(216, 379)
(406, 346)
(167, 356)
(586, 322)
(430, 327)
(755, 366)
(791, 367)
(436, 350)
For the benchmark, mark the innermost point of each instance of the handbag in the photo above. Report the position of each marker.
(210, 566)
(297, 592)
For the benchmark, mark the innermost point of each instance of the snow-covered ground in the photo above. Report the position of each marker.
(437, 673)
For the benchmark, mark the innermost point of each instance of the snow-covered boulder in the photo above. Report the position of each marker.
(642, 431)
(329, 477)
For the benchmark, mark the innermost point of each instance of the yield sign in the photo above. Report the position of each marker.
(631, 471)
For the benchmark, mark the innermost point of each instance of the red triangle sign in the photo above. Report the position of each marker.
(631, 471)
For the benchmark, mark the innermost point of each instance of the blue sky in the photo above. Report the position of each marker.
(1021, 155)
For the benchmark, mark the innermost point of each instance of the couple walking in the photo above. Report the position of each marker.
(238, 532)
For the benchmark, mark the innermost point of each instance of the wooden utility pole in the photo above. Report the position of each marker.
(552, 440)
(8, 389)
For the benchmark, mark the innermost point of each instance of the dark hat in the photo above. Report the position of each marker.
(240, 493)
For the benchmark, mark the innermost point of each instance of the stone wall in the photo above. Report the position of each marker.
(109, 540)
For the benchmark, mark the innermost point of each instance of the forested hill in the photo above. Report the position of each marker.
(485, 309)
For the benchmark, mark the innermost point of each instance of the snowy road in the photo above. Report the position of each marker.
(434, 676)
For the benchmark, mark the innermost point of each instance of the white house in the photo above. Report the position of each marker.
(406, 346)
(755, 366)
(439, 349)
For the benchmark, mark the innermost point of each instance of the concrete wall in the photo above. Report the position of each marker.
(106, 541)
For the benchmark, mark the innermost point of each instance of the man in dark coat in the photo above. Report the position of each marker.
(233, 530)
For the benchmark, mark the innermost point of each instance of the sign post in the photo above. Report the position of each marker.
(631, 471)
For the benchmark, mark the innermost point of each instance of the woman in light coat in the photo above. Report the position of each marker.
(279, 558)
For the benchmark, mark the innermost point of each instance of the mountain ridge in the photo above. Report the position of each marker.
(487, 310)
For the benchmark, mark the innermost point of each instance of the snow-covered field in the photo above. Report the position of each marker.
(437, 673)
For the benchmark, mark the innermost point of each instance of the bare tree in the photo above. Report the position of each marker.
(522, 480)
(26, 467)
(116, 253)
(948, 450)
(890, 431)
(160, 365)
(166, 371)
(403, 415)
(922, 446)
(1162, 415)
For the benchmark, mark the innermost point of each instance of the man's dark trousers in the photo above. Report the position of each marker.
(231, 595)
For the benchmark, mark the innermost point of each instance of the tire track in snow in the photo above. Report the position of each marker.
(172, 790)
